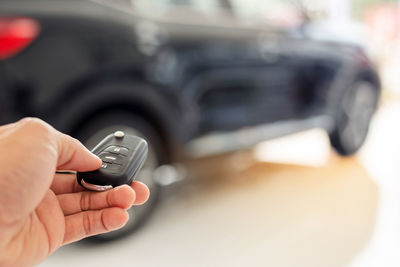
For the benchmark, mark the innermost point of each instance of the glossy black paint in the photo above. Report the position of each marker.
(187, 79)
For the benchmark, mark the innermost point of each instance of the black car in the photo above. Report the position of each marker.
(192, 82)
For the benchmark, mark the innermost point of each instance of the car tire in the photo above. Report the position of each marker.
(103, 124)
(355, 110)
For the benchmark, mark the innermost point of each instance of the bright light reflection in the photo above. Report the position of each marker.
(309, 148)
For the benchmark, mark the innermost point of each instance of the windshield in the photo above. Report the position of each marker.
(159, 6)
(281, 13)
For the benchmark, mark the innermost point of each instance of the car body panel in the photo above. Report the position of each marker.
(191, 77)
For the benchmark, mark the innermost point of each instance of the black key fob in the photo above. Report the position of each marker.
(123, 156)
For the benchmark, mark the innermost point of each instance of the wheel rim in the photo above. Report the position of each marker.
(358, 108)
(145, 175)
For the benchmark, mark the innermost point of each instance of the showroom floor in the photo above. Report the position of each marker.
(287, 202)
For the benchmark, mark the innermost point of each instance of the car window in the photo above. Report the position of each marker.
(190, 12)
(283, 13)
(206, 7)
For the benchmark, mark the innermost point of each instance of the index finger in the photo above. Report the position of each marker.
(67, 183)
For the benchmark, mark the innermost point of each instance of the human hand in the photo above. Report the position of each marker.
(39, 210)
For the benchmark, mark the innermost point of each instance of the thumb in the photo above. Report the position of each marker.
(31, 151)
(72, 155)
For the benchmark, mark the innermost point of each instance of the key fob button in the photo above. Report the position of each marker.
(118, 150)
(110, 167)
(122, 157)
(112, 158)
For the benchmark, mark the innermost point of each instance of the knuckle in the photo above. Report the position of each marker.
(87, 225)
(75, 142)
(109, 198)
(31, 121)
(85, 201)
(35, 134)
(37, 126)
(103, 224)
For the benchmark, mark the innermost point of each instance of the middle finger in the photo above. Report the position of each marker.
(122, 197)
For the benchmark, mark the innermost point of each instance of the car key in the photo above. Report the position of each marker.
(123, 156)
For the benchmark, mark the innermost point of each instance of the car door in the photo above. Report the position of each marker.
(228, 79)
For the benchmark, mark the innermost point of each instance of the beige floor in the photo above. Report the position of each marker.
(262, 208)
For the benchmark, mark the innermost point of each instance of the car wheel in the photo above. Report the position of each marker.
(102, 125)
(353, 117)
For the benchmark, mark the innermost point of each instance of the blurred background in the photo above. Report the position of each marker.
(282, 200)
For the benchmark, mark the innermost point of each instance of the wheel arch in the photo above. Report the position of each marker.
(371, 76)
(128, 95)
